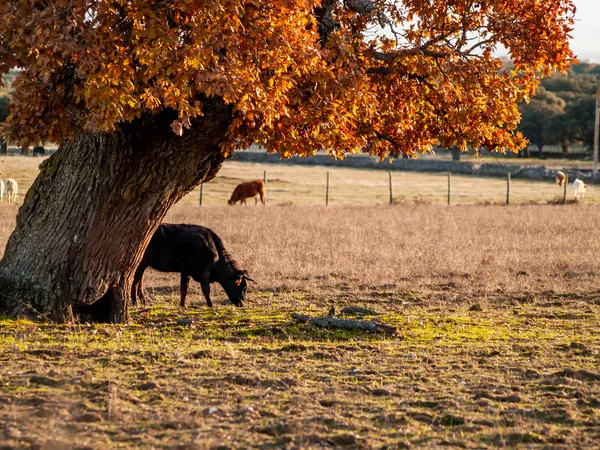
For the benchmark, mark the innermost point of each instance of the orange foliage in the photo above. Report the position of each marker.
(388, 77)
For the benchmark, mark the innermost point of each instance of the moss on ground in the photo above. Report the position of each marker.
(499, 375)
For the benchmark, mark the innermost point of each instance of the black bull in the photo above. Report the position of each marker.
(195, 252)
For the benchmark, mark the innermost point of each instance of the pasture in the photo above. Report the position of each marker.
(496, 309)
(305, 185)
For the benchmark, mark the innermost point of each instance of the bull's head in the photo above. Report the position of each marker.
(236, 287)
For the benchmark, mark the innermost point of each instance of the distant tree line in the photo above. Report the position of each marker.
(4, 101)
(563, 110)
(7, 80)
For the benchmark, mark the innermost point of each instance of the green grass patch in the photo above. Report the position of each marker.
(230, 378)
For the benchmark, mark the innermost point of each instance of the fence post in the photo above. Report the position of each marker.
(265, 181)
(449, 178)
(327, 190)
(201, 192)
(596, 130)
(508, 188)
(391, 192)
(565, 193)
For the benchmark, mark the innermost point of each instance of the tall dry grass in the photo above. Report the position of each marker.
(476, 248)
(492, 250)
(8, 215)
(23, 169)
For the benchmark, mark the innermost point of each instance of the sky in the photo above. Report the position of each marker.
(586, 34)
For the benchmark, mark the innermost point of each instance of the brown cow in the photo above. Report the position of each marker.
(248, 190)
(560, 178)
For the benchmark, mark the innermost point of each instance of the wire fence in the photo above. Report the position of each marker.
(339, 186)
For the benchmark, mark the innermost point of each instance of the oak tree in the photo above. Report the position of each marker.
(147, 97)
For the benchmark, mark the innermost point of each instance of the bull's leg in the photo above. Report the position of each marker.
(137, 286)
(140, 292)
(205, 284)
(185, 282)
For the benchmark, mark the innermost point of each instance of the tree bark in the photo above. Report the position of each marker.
(91, 212)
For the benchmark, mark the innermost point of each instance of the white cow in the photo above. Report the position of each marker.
(12, 189)
(579, 189)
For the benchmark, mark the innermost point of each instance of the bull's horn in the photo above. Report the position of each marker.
(246, 277)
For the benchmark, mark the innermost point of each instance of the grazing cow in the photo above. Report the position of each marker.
(248, 190)
(560, 178)
(39, 150)
(579, 189)
(195, 252)
(12, 189)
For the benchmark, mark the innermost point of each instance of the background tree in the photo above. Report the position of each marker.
(578, 119)
(456, 152)
(7, 80)
(4, 102)
(575, 122)
(559, 132)
(146, 99)
(536, 117)
(5, 90)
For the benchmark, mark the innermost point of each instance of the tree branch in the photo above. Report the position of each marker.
(392, 70)
(362, 7)
(325, 22)
(387, 138)
(390, 56)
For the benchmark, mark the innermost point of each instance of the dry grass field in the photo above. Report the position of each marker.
(497, 346)
(305, 185)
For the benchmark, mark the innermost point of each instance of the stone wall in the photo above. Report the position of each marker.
(421, 165)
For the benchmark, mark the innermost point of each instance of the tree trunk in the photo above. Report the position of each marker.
(455, 153)
(566, 149)
(541, 150)
(92, 210)
(3, 147)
